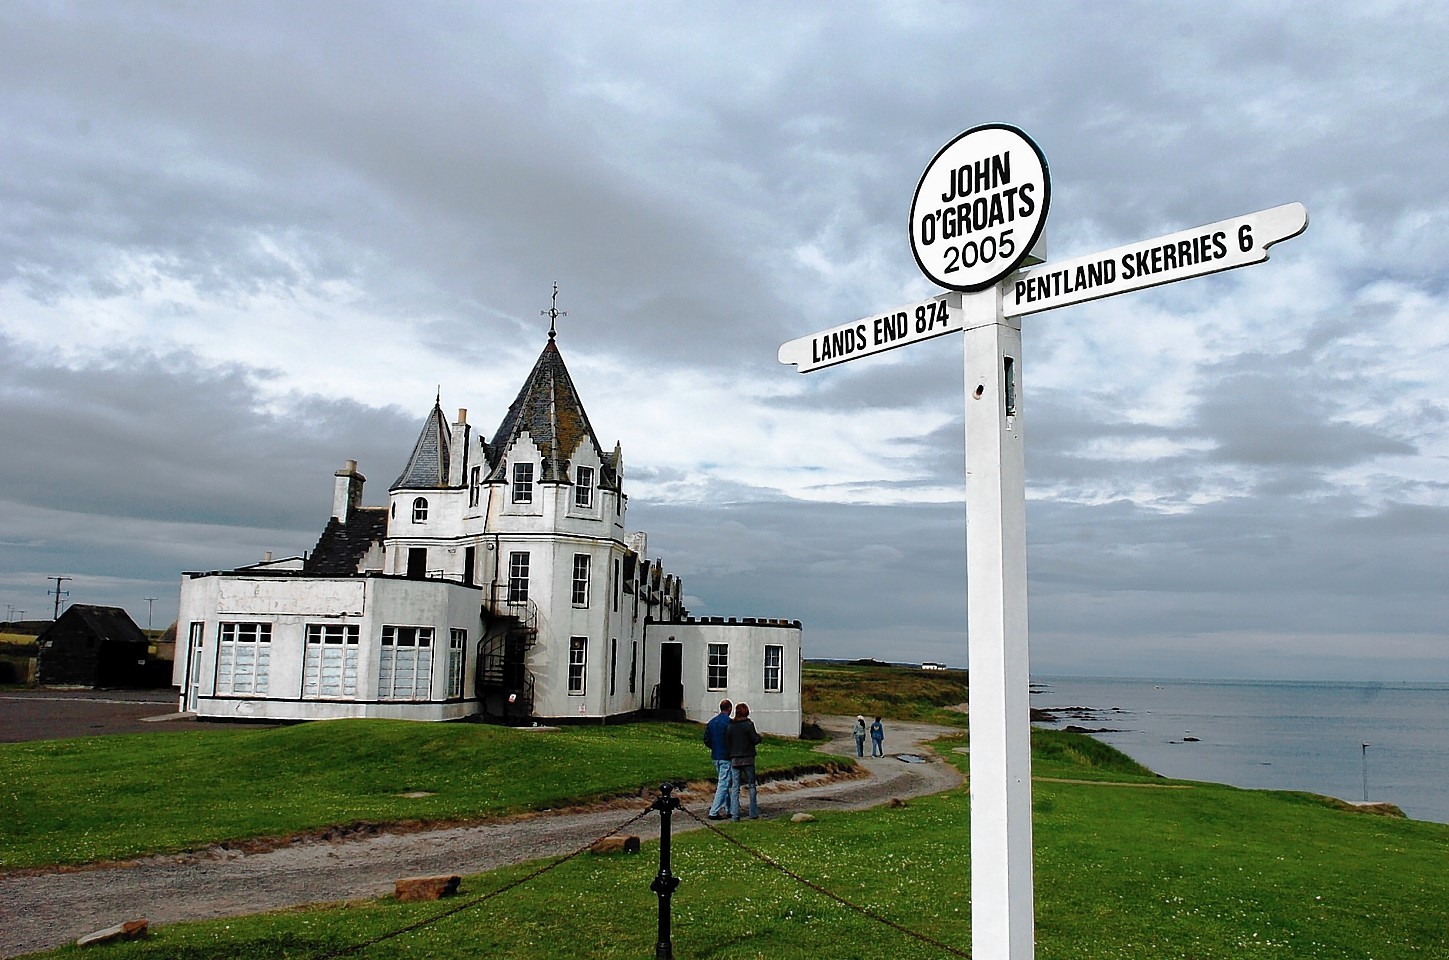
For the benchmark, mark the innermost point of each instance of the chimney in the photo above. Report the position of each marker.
(461, 455)
(347, 491)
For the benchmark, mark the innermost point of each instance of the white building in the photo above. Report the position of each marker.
(498, 580)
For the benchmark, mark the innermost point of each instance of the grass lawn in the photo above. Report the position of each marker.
(102, 798)
(1127, 866)
(900, 693)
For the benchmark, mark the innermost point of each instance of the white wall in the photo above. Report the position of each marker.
(290, 604)
(773, 712)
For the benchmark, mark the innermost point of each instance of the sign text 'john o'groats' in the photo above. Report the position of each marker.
(980, 207)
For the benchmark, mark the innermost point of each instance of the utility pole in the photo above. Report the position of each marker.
(58, 593)
(149, 601)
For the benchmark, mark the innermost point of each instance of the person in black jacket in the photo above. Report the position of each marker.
(740, 739)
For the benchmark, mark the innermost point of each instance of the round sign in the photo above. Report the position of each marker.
(980, 207)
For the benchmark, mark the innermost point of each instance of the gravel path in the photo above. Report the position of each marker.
(55, 908)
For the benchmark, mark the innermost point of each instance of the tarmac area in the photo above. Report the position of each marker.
(55, 713)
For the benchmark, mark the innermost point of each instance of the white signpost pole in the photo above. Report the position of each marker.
(979, 207)
(1002, 902)
(978, 210)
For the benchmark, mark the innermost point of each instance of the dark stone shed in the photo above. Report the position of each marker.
(97, 646)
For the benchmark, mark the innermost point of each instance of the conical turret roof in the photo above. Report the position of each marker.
(548, 408)
(427, 468)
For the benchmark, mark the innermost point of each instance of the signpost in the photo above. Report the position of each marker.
(980, 206)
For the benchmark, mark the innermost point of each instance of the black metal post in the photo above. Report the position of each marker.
(665, 883)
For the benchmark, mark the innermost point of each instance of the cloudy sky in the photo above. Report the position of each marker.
(242, 243)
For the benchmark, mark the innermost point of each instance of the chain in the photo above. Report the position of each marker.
(354, 948)
(863, 911)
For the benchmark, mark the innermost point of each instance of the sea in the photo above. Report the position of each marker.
(1381, 742)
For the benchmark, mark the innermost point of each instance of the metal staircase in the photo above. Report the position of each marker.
(505, 684)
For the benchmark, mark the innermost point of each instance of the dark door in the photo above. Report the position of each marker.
(470, 557)
(417, 563)
(515, 654)
(671, 676)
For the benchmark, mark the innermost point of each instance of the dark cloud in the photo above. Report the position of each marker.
(705, 185)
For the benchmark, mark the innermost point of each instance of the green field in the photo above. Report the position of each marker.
(114, 797)
(1127, 866)
(900, 693)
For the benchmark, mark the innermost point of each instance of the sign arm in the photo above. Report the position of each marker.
(1211, 248)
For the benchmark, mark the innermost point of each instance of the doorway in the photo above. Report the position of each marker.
(671, 676)
(193, 666)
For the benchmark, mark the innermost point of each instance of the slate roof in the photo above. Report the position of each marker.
(105, 623)
(342, 545)
(549, 409)
(427, 468)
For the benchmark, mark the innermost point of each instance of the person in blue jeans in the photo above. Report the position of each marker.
(877, 735)
(741, 738)
(714, 738)
(860, 736)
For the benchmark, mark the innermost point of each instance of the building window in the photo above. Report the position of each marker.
(420, 510)
(578, 659)
(457, 642)
(474, 482)
(243, 658)
(774, 668)
(329, 667)
(719, 666)
(581, 580)
(633, 662)
(613, 664)
(405, 668)
(584, 487)
(518, 576)
(523, 483)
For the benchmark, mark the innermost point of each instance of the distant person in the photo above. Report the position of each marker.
(877, 736)
(741, 738)
(860, 736)
(714, 738)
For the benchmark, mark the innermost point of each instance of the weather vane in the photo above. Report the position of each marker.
(553, 312)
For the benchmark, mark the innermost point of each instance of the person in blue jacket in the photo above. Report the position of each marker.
(714, 738)
(877, 736)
